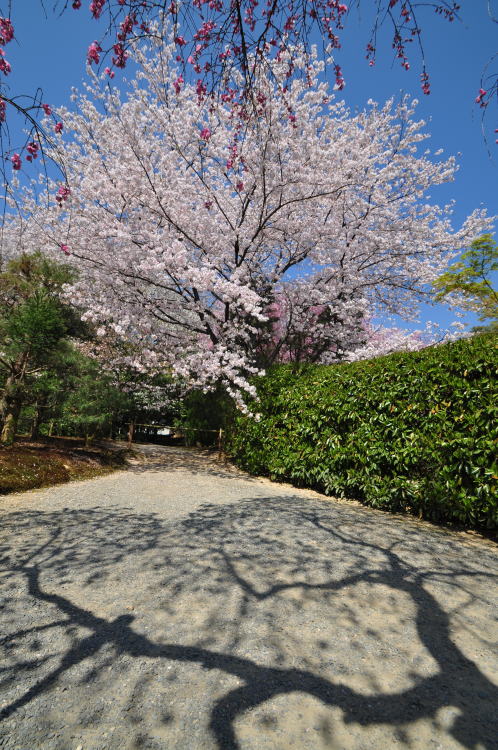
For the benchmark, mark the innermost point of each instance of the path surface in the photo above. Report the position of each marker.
(182, 605)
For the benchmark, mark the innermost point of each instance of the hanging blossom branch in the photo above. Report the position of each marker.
(31, 108)
(489, 80)
(215, 37)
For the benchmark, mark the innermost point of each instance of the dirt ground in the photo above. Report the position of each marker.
(38, 463)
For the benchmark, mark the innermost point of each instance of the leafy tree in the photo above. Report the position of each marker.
(70, 392)
(87, 396)
(92, 403)
(46, 389)
(469, 282)
(33, 324)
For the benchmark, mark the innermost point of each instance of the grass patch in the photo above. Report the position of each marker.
(28, 465)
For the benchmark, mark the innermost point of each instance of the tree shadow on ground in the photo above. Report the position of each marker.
(189, 633)
(197, 461)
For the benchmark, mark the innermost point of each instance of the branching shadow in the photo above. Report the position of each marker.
(197, 461)
(214, 589)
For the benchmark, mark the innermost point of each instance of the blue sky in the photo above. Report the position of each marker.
(50, 53)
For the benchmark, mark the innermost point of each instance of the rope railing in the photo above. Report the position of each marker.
(176, 428)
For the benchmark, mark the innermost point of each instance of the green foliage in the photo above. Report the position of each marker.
(470, 278)
(33, 320)
(204, 414)
(30, 272)
(34, 323)
(37, 325)
(414, 432)
(88, 407)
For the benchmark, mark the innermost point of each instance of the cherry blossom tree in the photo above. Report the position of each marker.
(300, 328)
(214, 36)
(188, 216)
(301, 332)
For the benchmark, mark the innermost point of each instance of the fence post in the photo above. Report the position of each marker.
(220, 443)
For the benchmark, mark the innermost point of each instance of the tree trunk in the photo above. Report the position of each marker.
(10, 407)
(37, 420)
(11, 400)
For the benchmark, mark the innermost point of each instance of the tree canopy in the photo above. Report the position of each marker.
(469, 283)
(187, 216)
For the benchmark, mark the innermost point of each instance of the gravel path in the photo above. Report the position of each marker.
(181, 605)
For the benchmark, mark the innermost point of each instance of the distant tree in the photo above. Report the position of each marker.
(468, 284)
(89, 407)
(302, 328)
(489, 328)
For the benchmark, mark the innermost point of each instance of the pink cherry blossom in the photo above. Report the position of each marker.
(93, 53)
(426, 87)
(47, 109)
(63, 193)
(126, 27)
(177, 85)
(339, 79)
(96, 7)
(4, 65)
(58, 127)
(205, 134)
(16, 161)
(120, 56)
(480, 97)
(32, 148)
(6, 31)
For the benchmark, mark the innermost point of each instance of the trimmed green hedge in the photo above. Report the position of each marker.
(414, 432)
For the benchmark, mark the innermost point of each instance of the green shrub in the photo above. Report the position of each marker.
(412, 432)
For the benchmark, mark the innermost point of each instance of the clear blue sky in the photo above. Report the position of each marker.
(50, 53)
